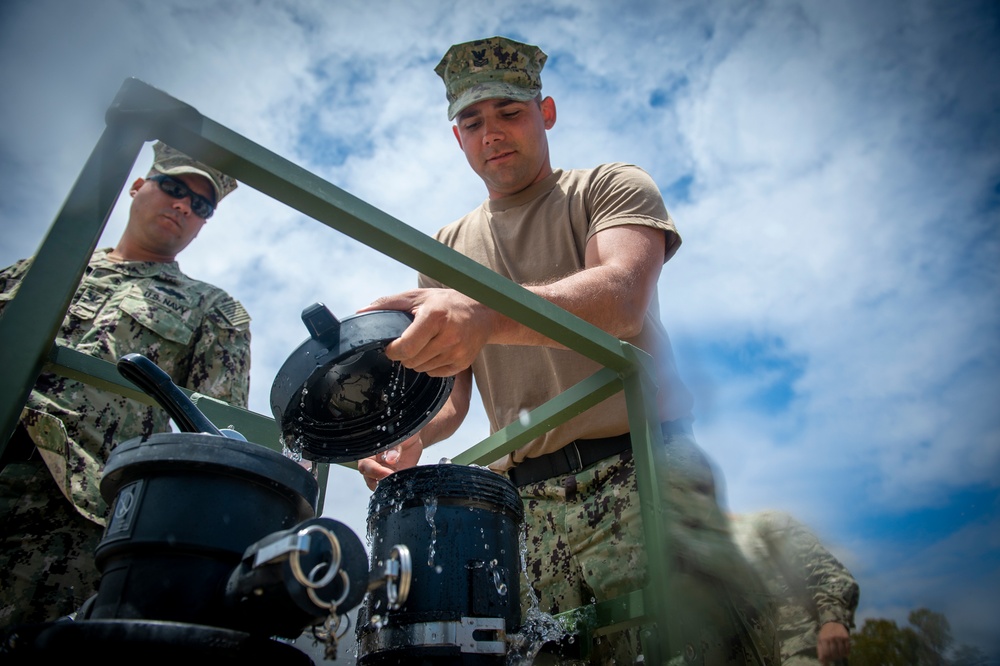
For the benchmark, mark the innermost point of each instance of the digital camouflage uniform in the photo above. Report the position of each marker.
(585, 538)
(195, 332)
(812, 587)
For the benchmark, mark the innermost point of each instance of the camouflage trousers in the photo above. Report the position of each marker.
(46, 548)
(585, 544)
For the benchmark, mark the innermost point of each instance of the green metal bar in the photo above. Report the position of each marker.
(646, 433)
(104, 375)
(257, 428)
(31, 320)
(606, 617)
(647, 606)
(575, 400)
(92, 370)
(620, 613)
(270, 173)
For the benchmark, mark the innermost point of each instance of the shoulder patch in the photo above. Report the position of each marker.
(233, 312)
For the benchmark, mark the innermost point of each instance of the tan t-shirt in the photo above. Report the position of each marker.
(538, 236)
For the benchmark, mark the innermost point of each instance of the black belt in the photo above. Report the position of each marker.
(580, 454)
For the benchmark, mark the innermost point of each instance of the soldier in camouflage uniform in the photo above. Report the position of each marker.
(133, 298)
(817, 594)
(592, 241)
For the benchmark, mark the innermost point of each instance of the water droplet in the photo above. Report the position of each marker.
(524, 418)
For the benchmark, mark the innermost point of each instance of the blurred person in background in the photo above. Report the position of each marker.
(817, 596)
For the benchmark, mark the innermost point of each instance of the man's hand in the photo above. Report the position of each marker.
(834, 643)
(447, 332)
(401, 456)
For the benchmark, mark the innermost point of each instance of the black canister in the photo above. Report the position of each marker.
(454, 594)
(184, 507)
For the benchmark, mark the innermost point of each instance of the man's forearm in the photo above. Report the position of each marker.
(452, 414)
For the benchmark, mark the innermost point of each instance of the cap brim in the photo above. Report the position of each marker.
(176, 171)
(490, 90)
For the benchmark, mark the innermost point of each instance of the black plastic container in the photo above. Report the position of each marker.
(462, 527)
(184, 508)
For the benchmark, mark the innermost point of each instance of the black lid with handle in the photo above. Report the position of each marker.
(339, 398)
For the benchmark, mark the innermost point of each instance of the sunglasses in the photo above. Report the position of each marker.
(172, 187)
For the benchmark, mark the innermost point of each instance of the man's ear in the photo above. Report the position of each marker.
(458, 137)
(549, 112)
(139, 182)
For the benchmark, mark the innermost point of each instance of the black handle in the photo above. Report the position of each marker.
(155, 383)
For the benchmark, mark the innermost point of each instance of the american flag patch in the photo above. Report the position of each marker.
(233, 312)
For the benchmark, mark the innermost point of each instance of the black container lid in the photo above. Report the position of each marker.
(448, 484)
(339, 398)
(185, 452)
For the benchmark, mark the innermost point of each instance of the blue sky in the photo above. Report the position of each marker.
(833, 169)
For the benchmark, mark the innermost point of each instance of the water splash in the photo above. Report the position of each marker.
(430, 510)
(537, 628)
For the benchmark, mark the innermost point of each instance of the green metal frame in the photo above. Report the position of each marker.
(142, 113)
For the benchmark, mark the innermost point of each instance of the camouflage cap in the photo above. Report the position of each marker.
(491, 68)
(172, 162)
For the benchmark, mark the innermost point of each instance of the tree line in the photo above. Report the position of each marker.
(927, 641)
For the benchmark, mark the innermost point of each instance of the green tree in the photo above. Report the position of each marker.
(934, 633)
(884, 643)
(926, 642)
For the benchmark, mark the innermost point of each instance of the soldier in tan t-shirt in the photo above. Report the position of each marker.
(591, 241)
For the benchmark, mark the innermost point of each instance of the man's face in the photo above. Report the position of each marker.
(505, 142)
(161, 224)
